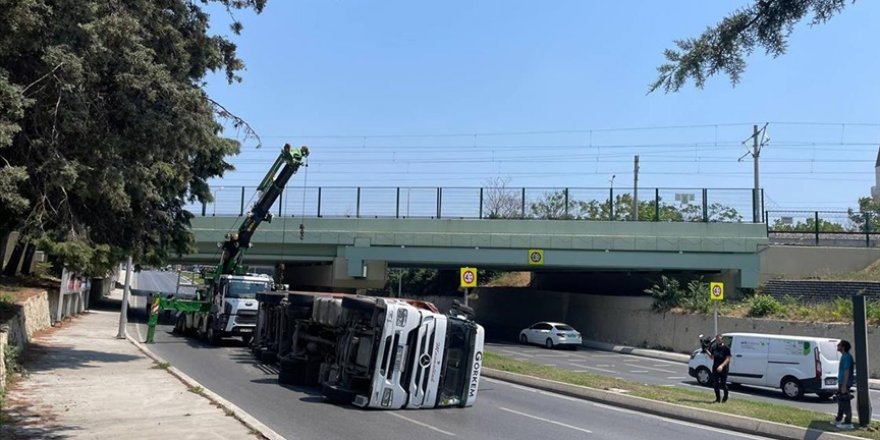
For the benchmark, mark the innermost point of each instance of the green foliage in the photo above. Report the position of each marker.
(723, 48)
(106, 132)
(763, 305)
(808, 226)
(867, 217)
(667, 294)
(697, 297)
(12, 352)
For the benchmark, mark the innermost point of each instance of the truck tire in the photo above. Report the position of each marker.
(268, 357)
(210, 335)
(258, 352)
(362, 305)
(179, 325)
(338, 395)
(292, 371)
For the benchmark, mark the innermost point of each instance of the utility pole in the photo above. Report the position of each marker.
(759, 140)
(635, 213)
(123, 314)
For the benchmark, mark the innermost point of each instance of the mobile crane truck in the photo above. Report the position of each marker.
(383, 353)
(227, 305)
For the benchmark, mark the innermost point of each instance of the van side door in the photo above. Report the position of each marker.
(749, 362)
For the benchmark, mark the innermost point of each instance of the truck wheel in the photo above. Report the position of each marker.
(179, 325)
(338, 395)
(210, 334)
(292, 371)
(704, 376)
(792, 388)
(358, 304)
(268, 357)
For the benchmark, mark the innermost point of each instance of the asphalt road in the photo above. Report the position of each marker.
(655, 371)
(502, 410)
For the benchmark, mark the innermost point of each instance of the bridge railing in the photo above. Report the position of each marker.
(614, 204)
(823, 228)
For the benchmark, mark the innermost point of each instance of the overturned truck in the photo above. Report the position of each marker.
(371, 352)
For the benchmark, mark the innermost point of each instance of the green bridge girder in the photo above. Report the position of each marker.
(504, 244)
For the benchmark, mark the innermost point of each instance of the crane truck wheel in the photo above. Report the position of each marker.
(210, 335)
(179, 325)
(268, 357)
(292, 371)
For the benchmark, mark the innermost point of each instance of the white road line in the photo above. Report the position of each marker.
(553, 355)
(425, 425)
(578, 371)
(651, 368)
(679, 422)
(601, 369)
(676, 377)
(638, 371)
(605, 365)
(545, 420)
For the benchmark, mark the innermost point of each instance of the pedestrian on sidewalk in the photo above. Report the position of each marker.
(844, 385)
(720, 355)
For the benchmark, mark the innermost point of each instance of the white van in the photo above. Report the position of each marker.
(795, 364)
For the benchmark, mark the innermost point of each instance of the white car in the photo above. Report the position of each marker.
(551, 334)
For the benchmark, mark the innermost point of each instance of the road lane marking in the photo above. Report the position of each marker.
(600, 369)
(651, 368)
(545, 420)
(679, 422)
(516, 353)
(554, 355)
(677, 377)
(425, 425)
(638, 371)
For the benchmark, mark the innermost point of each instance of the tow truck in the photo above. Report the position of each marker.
(227, 305)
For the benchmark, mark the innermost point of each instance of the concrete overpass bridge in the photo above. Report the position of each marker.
(352, 235)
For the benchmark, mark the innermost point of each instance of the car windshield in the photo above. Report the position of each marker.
(245, 289)
(565, 328)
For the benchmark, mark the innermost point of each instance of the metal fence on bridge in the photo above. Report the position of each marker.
(654, 204)
(823, 228)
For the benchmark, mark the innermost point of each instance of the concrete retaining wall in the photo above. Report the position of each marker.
(630, 321)
(19, 330)
(806, 261)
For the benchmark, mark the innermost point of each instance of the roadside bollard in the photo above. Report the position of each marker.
(153, 319)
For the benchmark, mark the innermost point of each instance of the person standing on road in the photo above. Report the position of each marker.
(720, 355)
(844, 384)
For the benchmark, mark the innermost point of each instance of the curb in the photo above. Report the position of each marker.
(241, 415)
(674, 411)
(873, 384)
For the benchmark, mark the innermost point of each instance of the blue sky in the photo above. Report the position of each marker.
(546, 94)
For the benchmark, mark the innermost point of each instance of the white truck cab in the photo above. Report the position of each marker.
(795, 364)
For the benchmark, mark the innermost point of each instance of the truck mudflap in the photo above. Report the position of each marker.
(476, 367)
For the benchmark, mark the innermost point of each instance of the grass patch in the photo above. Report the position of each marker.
(197, 390)
(162, 365)
(693, 398)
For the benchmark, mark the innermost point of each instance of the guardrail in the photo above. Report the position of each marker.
(823, 228)
(654, 204)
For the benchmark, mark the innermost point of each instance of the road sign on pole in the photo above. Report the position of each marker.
(536, 257)
(716, 291)
(468, 277)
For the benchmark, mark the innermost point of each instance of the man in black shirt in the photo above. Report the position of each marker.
(720, 355)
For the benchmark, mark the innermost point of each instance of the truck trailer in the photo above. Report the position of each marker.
(372, 352)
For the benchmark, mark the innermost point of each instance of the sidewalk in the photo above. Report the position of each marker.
(873, 384)
(82, 382)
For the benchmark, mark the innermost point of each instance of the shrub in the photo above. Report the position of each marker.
(764, 305)
(667, 294)
(697, 297)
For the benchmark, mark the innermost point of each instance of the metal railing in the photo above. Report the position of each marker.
(654, 204)
(823, 228)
